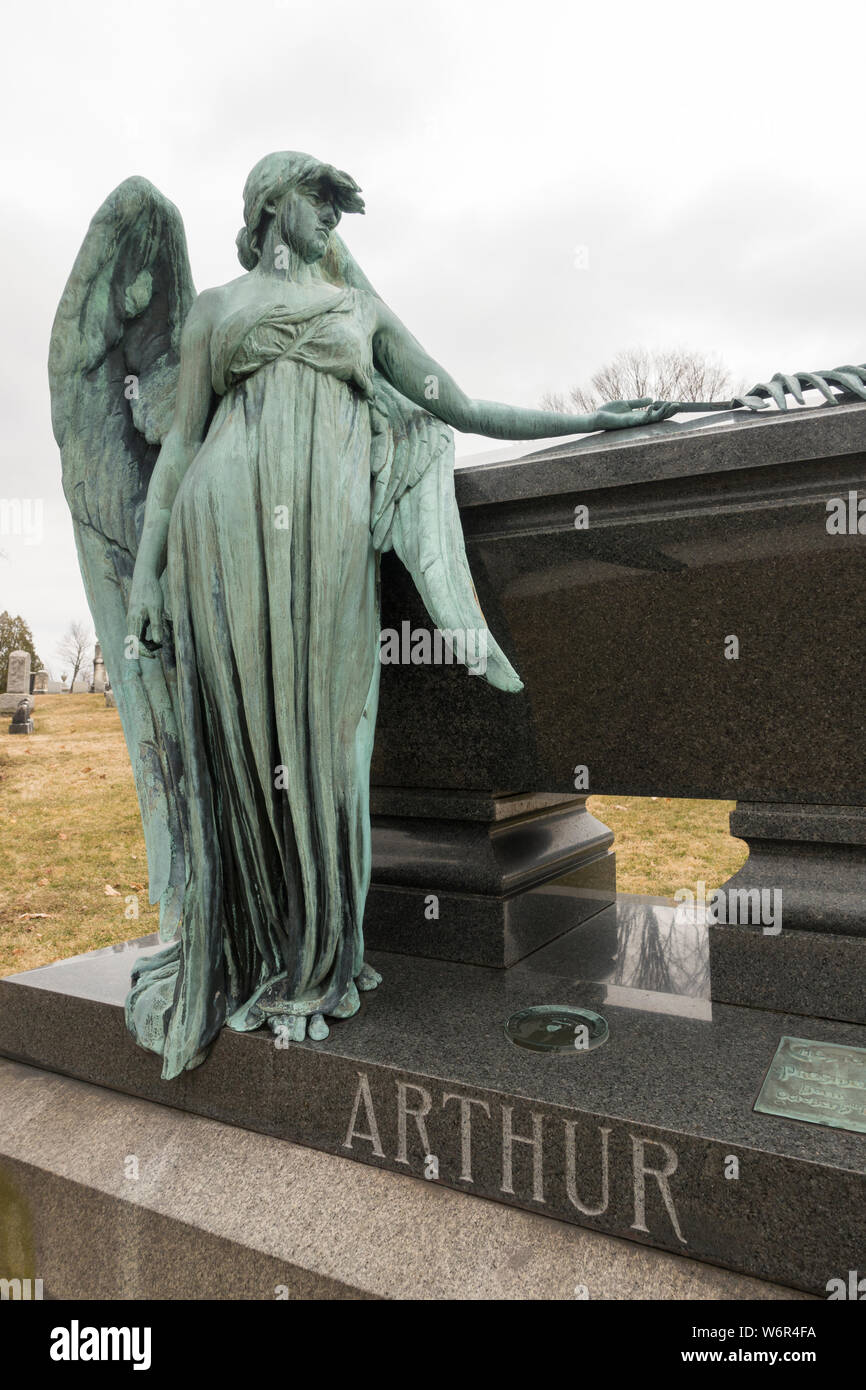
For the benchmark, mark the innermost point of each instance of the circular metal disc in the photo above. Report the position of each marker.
(557, 1028)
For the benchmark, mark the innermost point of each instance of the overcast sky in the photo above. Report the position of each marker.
(706, 156)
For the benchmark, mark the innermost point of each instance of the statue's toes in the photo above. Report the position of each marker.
(287, 1027)
(368, 978)
(348, 1005)
(317, 1028)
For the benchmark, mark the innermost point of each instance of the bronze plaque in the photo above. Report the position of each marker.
(823, 1083)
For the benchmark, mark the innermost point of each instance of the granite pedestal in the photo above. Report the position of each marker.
(650, 1137)
(813, 859)
(207, 1211)
(696, 533)
(478, 877)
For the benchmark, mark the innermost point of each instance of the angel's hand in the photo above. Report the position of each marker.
(146, 616)
(621, 415)
(623, 407)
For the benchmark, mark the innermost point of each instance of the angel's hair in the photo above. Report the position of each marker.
(275, 175)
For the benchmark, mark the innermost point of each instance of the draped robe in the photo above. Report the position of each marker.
(271, 585)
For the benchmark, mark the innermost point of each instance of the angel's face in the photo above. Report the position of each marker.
(305, 219)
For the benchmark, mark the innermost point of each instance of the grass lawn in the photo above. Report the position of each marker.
(73, 856)
(665, 843)
(69, 832)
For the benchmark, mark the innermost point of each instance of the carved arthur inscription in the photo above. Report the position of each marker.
(529, 1154)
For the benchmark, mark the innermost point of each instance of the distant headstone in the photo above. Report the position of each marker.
(18, 677)
(40, 683)
(109, 698)
(21, 721)
(17, 681)
(100, 679)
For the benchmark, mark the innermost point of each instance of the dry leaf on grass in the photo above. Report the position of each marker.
(112, 892)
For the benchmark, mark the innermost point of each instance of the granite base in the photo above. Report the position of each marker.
(651, 1137)
(483, 877)
(806, 875)
(119, 1198)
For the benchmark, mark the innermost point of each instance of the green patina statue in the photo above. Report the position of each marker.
(234, 464)
(850, 381)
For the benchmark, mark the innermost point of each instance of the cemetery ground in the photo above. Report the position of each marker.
(71, 842)
(74, 869)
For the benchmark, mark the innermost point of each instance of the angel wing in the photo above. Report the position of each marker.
(113, 368)
(414, 506)
(414, 512)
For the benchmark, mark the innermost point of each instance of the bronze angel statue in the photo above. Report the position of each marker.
(235, 463)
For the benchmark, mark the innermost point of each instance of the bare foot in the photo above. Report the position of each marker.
(368, 978)
(296, 1027)
(291, 1027)
(348, 1005)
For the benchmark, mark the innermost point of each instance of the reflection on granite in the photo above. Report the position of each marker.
(648, 954)
(102, 975)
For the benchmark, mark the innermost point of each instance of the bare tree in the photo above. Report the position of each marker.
(74, 649)
(675, 375)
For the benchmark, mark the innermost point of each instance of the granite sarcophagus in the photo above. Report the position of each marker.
(683, 605)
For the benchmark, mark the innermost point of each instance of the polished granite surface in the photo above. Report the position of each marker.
(644, 953)
(618, 630)
(711, 443)
(635, 1138)
(673, 1057)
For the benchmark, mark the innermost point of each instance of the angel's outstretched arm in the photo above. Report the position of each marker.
(409, 369)
(179, 448)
